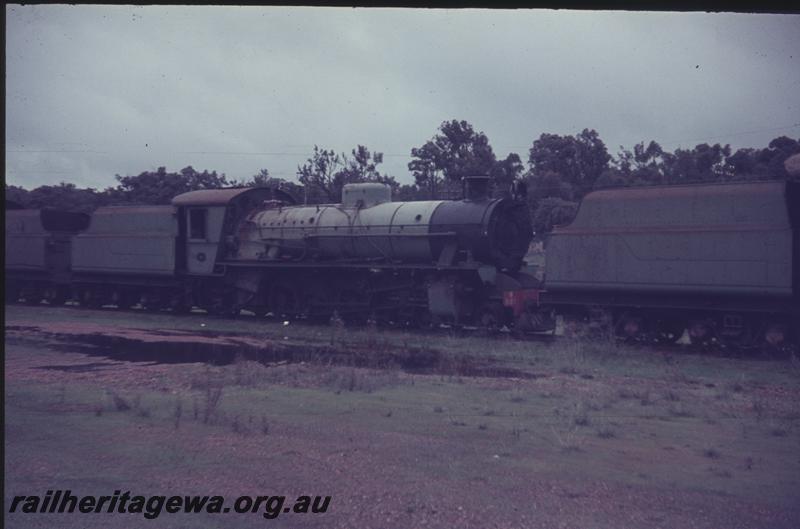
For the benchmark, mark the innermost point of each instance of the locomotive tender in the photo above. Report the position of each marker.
(721, 261)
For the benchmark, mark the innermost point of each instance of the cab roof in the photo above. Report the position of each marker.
(221, 197)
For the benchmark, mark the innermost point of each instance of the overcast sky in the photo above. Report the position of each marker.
(94, 91)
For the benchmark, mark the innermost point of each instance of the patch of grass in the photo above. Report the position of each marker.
(606, 432)
(645, 398)
(569, 439)
(212, 398)
(517, 396)
(178, 413)
(758, 408)
(120, 404)
(264, 425)
(678, 409)
(778, 431)
(736, 386)
(351, 379)
(301, 397)
(580, 416)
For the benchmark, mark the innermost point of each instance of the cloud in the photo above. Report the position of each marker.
(94, 91)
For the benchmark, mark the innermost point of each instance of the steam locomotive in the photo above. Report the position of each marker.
(254, 249)
(714, 262)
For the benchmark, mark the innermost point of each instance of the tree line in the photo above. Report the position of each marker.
(560, 170)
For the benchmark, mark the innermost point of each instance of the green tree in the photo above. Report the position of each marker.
(159, 187)
(577, 160)
(764, 164)
(362, 167)
(426, 169)
(504, 172)
(704, 163)
(17, 195)
(408, 193)
(552, 212)
(65, 196)
(325, 173)
(644, 165)
(318, 176)
(456, 151)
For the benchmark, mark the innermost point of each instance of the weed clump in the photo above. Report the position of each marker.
(606, 432)
(119, 403)
(677, 409)
(178, 412)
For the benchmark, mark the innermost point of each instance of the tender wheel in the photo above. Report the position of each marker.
(91, 299)
(180, 304)
(669, 330)
(56, 296)
(12, 294)
(775, 340)
(152, 302)
(32, 296)
(128, 300)
(630, 327)
(701, 332)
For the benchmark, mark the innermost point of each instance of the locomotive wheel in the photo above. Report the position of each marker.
(353, 307)
(282, 300)
(258, 312)
(492, 318)
(574, 325)
(181, 308)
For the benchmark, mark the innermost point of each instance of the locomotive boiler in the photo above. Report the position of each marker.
(367, 226)
(370, 255)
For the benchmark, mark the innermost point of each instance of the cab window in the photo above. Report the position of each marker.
(197, 223)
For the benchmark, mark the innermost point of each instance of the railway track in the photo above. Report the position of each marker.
(584, 332)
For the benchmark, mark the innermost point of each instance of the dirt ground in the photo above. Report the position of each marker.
(450, 432)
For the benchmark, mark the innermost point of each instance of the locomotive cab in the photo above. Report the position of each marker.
(208, 219)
